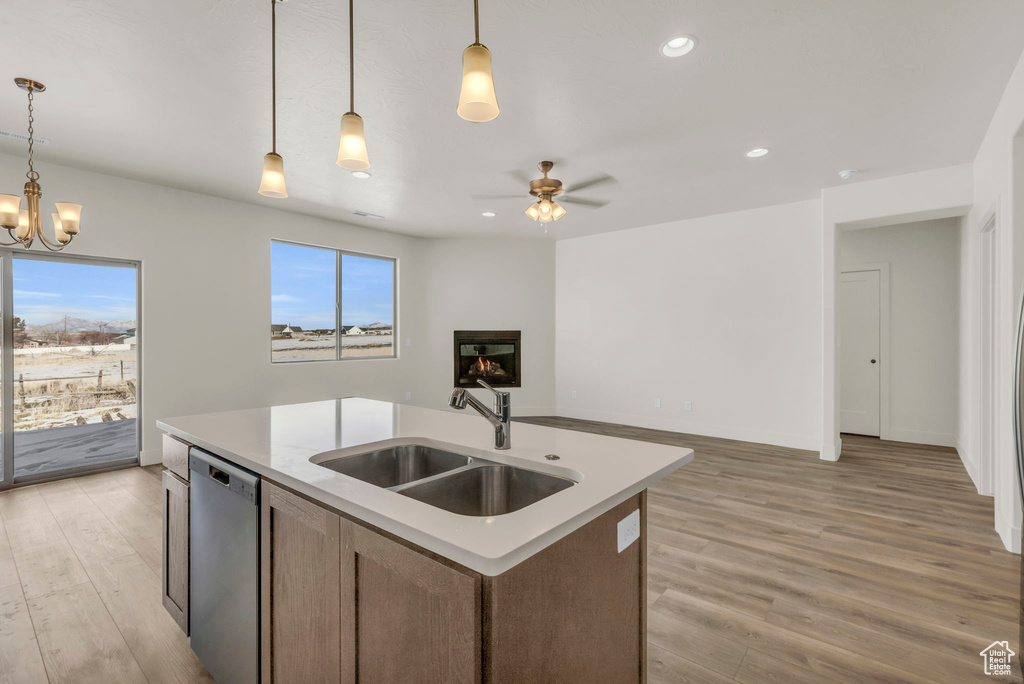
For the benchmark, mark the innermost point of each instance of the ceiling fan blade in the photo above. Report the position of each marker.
(591, 182)
(497, 197)
(583, 202)
(519, 176)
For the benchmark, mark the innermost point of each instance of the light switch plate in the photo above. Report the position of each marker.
(629, 530)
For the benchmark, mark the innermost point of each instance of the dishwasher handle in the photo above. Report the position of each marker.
(225, 474)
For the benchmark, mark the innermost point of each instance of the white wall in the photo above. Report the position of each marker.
(998, 194)
(924, 287)
(206, 267)
(722, 311)
(490, 285)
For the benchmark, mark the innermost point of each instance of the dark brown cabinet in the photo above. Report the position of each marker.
(410, 618)
(343, 602)
(301, 589)
(175, 548)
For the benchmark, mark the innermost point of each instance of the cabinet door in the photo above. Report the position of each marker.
(300, 591)
(175, 543)
(175, 456)
(409, 618)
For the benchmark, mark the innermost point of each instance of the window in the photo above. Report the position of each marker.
(327, 304)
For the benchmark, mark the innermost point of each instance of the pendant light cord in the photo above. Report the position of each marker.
(351, 61)
(273, 73)
(476, 20)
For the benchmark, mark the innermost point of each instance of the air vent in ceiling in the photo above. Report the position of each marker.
(367, 214)
(23, 137)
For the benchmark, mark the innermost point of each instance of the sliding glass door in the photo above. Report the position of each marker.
(69, 368)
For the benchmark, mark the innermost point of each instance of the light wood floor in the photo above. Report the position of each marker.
(765, 565)
(80, 584)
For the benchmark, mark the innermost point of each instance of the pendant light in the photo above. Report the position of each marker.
(25, 225)
(272, 184)
(477, 102)
(352, 147)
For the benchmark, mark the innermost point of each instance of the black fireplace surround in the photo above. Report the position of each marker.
(489, 355)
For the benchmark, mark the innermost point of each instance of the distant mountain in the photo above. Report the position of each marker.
(374, 326)
(81, 325)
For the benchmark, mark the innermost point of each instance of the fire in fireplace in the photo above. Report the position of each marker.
(489, 355)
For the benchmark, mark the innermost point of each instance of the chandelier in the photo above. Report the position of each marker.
(25, 225)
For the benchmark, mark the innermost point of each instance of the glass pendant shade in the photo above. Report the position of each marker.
(70, 217)
(352, 148)
(272, 184)
(10, 205)
(545, 207)
(557, 211)
(477, 102)
(546, 218)
(58, 231)
(22, 231)
(533, 212)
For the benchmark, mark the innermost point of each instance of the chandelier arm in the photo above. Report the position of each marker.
(12, 236)
(53, 246)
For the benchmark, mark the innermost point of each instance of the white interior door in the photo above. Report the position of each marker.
(859, 343)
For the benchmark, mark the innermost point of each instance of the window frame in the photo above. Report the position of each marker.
(338, 254)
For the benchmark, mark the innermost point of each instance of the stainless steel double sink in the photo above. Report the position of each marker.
(450, 481)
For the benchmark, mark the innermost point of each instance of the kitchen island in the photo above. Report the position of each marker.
(371, 580)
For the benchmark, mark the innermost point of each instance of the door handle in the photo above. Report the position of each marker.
(872, 361)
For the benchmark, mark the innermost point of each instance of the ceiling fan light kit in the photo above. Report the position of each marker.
(25, 225)
(545, 209)
(477, 101)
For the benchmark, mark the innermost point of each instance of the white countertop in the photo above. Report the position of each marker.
(278, 442)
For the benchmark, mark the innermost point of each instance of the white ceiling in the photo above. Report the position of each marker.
(178, 93)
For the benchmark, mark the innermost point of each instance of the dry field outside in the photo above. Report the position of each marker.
(322, 348)
(60, 388)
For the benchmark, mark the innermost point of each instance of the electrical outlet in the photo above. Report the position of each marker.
(688, 406)
(574, 394)
(657, 403)
(629, 530)
(408, 396)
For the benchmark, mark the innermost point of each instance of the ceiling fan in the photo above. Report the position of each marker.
(545, 209)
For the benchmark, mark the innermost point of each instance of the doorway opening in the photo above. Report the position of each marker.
(69, 367)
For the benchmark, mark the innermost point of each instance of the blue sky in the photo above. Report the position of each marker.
(44, 291)
(303, 287)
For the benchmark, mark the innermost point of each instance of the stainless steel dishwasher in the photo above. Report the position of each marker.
(224, 568)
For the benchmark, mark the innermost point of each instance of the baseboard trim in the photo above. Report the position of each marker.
(833, 451)
(919, 437)
(694, 428)
(1008, 532)
(971, 466)
(147, 458)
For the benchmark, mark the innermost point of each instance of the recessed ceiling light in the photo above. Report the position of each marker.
(677, 47)
(757, 152)
(488, 214)
(360, 174)
(847, 174)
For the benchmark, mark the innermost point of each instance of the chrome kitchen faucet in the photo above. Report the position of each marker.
(500, 417)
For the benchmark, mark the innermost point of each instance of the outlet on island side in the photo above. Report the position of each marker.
(573, 394)
(688, 406)
(629, 530)
(657, 403)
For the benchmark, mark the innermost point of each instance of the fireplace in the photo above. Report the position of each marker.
(489, 355)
